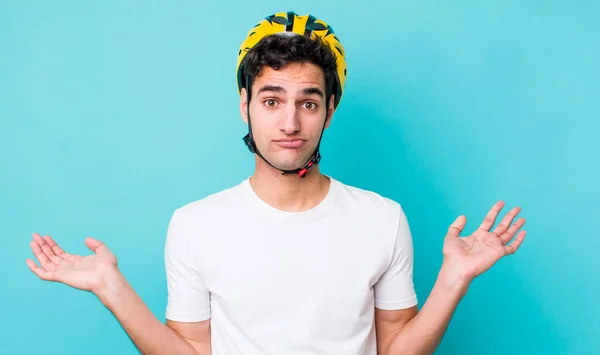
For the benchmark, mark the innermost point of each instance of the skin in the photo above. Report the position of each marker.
(289, 112)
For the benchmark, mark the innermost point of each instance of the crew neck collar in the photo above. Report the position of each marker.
(320, 209)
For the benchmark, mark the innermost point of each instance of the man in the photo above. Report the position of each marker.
(289, 261)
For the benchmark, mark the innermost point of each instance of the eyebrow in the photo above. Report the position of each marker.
(271, 88)
(313, 90)
(280, 89)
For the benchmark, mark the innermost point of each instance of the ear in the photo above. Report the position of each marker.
(244, 105)
(330, 111)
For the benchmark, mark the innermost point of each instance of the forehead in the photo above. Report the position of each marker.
(292, 75)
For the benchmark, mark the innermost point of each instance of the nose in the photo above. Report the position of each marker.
(291, 120)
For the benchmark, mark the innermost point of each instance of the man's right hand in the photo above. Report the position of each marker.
(98, 273)
(82, 272)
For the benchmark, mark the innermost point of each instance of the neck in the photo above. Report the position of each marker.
(289, 192)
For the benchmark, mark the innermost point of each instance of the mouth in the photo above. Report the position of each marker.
(289, 143)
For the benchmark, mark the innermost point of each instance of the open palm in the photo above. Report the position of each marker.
(475, 254)
(81, 272)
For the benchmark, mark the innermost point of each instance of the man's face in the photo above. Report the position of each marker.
(287, 113)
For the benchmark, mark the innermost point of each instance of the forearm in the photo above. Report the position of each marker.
(148, 334)
(423, 334)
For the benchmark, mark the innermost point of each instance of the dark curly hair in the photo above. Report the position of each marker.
(278, 50)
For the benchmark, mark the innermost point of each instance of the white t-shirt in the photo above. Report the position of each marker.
(289, 283)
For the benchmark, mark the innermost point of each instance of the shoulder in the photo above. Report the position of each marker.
(382, 216)
(213, 205)
(369, 202)
(366, 198)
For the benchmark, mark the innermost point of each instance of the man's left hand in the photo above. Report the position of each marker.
(469, 257)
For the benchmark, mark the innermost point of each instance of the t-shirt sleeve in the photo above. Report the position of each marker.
(395, 288)
(188, 297)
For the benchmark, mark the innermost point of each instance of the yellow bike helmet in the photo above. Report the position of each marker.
(307, 25)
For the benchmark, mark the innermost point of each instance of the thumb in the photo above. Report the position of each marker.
(95, 245)
(457, 226)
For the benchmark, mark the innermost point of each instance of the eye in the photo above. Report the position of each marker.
(270, 102)
(310, 105)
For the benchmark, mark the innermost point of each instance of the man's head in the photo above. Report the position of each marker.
(291, 100)
(289, 72)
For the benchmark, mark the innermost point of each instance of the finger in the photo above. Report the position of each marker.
(95, 245)
(56, 257)
(45, 247)
(40, 255)
(54, 246)
(506, 221)
(512, 247)
(457, 226)
(490, 218)
(41, 273)
(510, 233)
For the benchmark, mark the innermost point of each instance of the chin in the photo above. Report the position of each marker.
(288, 163)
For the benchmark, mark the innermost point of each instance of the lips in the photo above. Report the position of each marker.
(289, 143)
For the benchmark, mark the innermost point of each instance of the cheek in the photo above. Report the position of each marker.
(263, 122)
(314, 124)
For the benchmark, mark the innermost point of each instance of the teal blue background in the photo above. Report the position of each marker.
(114, 113)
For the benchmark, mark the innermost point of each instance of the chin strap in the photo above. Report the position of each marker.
(314, 159)
(249, 141)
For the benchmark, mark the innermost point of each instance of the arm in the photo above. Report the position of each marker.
(405, 331)
(149, 334)
(420, 332)
(99, 274)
